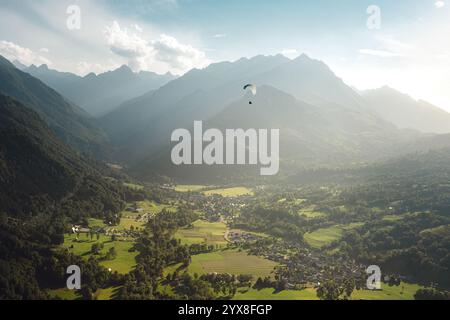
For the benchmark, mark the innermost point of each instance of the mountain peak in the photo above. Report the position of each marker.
(5, 62)
(303, 57)
(124, 68)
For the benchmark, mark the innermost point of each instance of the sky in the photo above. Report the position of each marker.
(404, 44)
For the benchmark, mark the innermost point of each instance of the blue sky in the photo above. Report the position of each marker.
(410, 52)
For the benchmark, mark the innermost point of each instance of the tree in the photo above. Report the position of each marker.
(431, 294)
(112, 253)
(329, 291)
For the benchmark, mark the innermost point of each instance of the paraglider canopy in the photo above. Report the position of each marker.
(252, 88)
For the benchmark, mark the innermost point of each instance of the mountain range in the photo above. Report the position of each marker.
(405, 112)
(99, 94)
(322, 121)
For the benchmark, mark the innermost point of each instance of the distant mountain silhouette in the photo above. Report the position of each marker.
(69, 122)
(310, 136)
(142, 126)
(405, 112)
(99, 94)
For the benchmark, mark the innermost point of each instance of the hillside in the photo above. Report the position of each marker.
(38, 173)
(309, 136)
(70, 123)
(405, 112)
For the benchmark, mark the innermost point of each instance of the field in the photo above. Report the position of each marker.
(106, 294)
(404, 291)
(324, 236)
(189, 188)
(203, 232)
(125, 223)
(64, 294)
(229, 192)
(124, 261)
(270, 294)
(155, 208)
(311, 214)
(228, 261)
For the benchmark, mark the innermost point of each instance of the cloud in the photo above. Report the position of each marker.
(44, 50)
(439, 4)
(26, 56)
(290, 53)
(220, 35)
(379, 53)
(179, 56)
(128, 45)
(165, 53)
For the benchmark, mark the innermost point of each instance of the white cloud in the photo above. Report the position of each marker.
(439, 4)
(44, 50)
(220, 35)
(180, 57)
(379, 53)
(290, 53)
(128, 45)
(163, 54)
(26, 56)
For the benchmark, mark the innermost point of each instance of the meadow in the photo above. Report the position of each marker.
(228, 261)
(271, 294)
(201, 231)
(189, 188)
(155, 208)
(405, 291)
(229, 192)
(123, 263)
(324, 236)
(311, 213)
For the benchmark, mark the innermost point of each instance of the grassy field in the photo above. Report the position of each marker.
(404, 291)
(64, 294)
(153, 207)
(124, 261)
(324, 236)
(203, 232)
(228, 261)
(125, 223)
(270, 294)
(106, 294)
(189, 188)
(229, 192)
(310, 212)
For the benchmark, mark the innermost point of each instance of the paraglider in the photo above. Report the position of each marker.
(252, 88)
